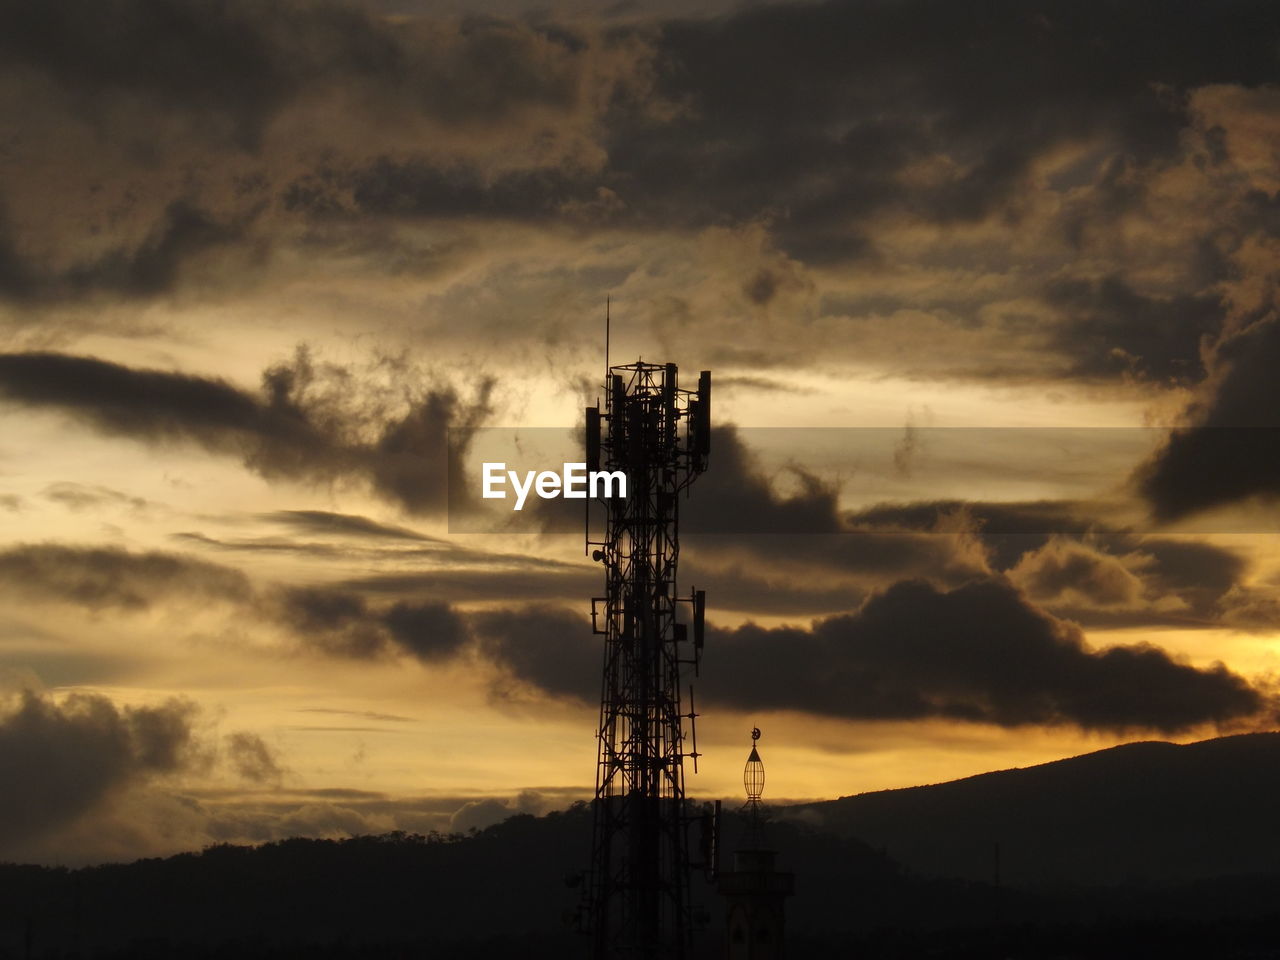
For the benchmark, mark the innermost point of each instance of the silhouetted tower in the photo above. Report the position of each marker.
(756, 890)
(638, 887)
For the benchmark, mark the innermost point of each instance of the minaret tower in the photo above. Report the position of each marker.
(755, 891)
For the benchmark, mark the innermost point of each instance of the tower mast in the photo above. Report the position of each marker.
(659, 435)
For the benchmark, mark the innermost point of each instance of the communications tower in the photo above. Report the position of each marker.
(638, 886)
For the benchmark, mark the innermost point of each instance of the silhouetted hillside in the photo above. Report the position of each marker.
(502, 893)
(1141, 812)
(499, 892)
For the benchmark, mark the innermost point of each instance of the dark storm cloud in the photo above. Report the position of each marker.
(736, 517)
(147, 404)
(1066, 546)
(549, 647)
(735, 496)
(811, 118)
(1231, 453)
(981, 653)
(429, 631)
(63, 759)
(1110, 329)
(411, 462)
(215, 59)
(335, 622)
(812, 110)
(1200, 573)
(1064, 567)
(416, 188)
(105, 577)
(1115, 582)
(341, 623)
(252, 759)
(806, 112)
(1079, 66)
(330, 620)
(817, 118)
(297, 428)
(237, 64)
(185, 132)
(183, 233)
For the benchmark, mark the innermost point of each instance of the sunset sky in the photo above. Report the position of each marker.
(989, 294)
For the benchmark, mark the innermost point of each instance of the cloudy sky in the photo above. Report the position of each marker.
(989, 296)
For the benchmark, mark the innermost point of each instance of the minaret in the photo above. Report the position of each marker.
(755, 891)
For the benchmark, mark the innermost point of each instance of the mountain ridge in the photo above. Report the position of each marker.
(1144, 811)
